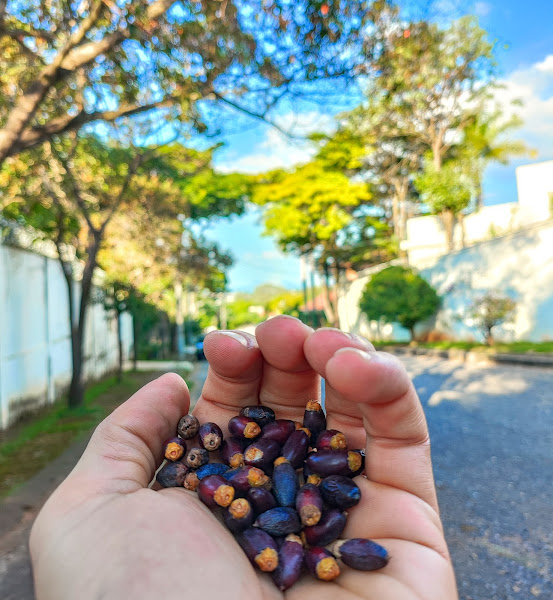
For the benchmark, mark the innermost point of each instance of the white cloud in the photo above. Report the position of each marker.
(546, 65)
(482, 9)
(534, 87)
(276, 150)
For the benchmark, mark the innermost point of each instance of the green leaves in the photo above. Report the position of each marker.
(398, 295)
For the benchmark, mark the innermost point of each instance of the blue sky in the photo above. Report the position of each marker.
(524, 35)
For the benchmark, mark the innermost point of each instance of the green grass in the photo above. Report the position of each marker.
(40, 438)
(512, 348)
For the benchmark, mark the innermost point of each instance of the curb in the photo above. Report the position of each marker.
(477, 357)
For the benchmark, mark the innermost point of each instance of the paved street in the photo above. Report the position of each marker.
(492, 436)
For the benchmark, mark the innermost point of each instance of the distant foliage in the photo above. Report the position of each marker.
(399, 295)
(490, 310)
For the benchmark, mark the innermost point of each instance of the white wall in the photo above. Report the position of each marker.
(535, 184)
(35, 347)
(518, 264)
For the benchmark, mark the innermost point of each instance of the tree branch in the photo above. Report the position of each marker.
(88, 52)
(37, 135)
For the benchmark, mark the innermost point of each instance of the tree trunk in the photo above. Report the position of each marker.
(119, 348)
(135, 342)
(76, 389)
(395, 215)
(461, 220)
(412, 332)
(448, 219)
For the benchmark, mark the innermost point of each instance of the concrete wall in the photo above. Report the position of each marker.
(35, 347)
(519, 264)
(426, 238)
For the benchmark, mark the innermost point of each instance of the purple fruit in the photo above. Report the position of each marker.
(261, 499)
(232, 451)
(261, 453)
(215, 491)
(262, 415)
(321, 563)
(211, 469)
(197, 457)
(328, 529)
(309, 504)
(285, 482)
(247, 477)
(290, 563)
(340, 491)
(334, 462)
(174, 448)
(296, 448)
(361, 554)
(239, 515)
(279, 521)
(278, 430)
(260, 548)
(314, 418)
(188, 427)
(172, 474)
(243, 427)
(210, 436)
(331, 439)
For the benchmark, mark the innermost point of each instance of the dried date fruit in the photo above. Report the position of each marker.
(278, 430)
(191, 481)
(260, 548)
(243, 427)
(361, 554)
(262, 415)
(261, 453)
(328, 529)
(174, 448)
(309, 504)
(314, 418)
(285, 483)
(232, 451)
(261, 499)
(331, 439)
(197, 457)
(247, 477)
(188, 427)
(340, 491)
(210, 436)
(239, 515)
(215, 491)
(321, 563)
(211, 469)
(290, 563)
(172, 474)
(334, 462)
(279, 521)
(296, 448)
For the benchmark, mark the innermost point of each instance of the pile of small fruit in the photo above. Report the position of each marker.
(282, 489)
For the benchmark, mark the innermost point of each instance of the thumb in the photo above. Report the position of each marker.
(126, 448)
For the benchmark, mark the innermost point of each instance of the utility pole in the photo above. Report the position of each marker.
(179, 320)
(312, 274)
(304, 284)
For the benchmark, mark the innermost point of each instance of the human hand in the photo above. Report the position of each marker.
(104, 534)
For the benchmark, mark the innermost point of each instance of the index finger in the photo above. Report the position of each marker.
(398, 445)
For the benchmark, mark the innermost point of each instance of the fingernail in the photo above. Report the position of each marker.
(244, 340)
(361, 353)
(359, 339)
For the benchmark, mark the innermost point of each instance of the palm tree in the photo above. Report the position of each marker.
(484, 142)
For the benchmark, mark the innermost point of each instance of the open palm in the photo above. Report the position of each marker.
(104, 534)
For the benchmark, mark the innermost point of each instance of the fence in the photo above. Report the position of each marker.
(35, 342)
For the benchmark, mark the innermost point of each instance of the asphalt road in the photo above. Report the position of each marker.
(492, 446)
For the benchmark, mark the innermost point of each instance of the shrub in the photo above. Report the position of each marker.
(490, 310)
(400, 295)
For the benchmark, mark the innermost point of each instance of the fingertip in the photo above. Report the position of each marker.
(281, 340)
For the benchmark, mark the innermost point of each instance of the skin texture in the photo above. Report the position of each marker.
(104, 534)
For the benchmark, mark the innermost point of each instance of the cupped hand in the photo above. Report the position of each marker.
(104, 534)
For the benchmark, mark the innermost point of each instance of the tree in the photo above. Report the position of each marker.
(447, 192)
(75, 188)
(398, 294)
(490, 310)
(485, 141)
(67, 64)
(434, 81)
(308, 210)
